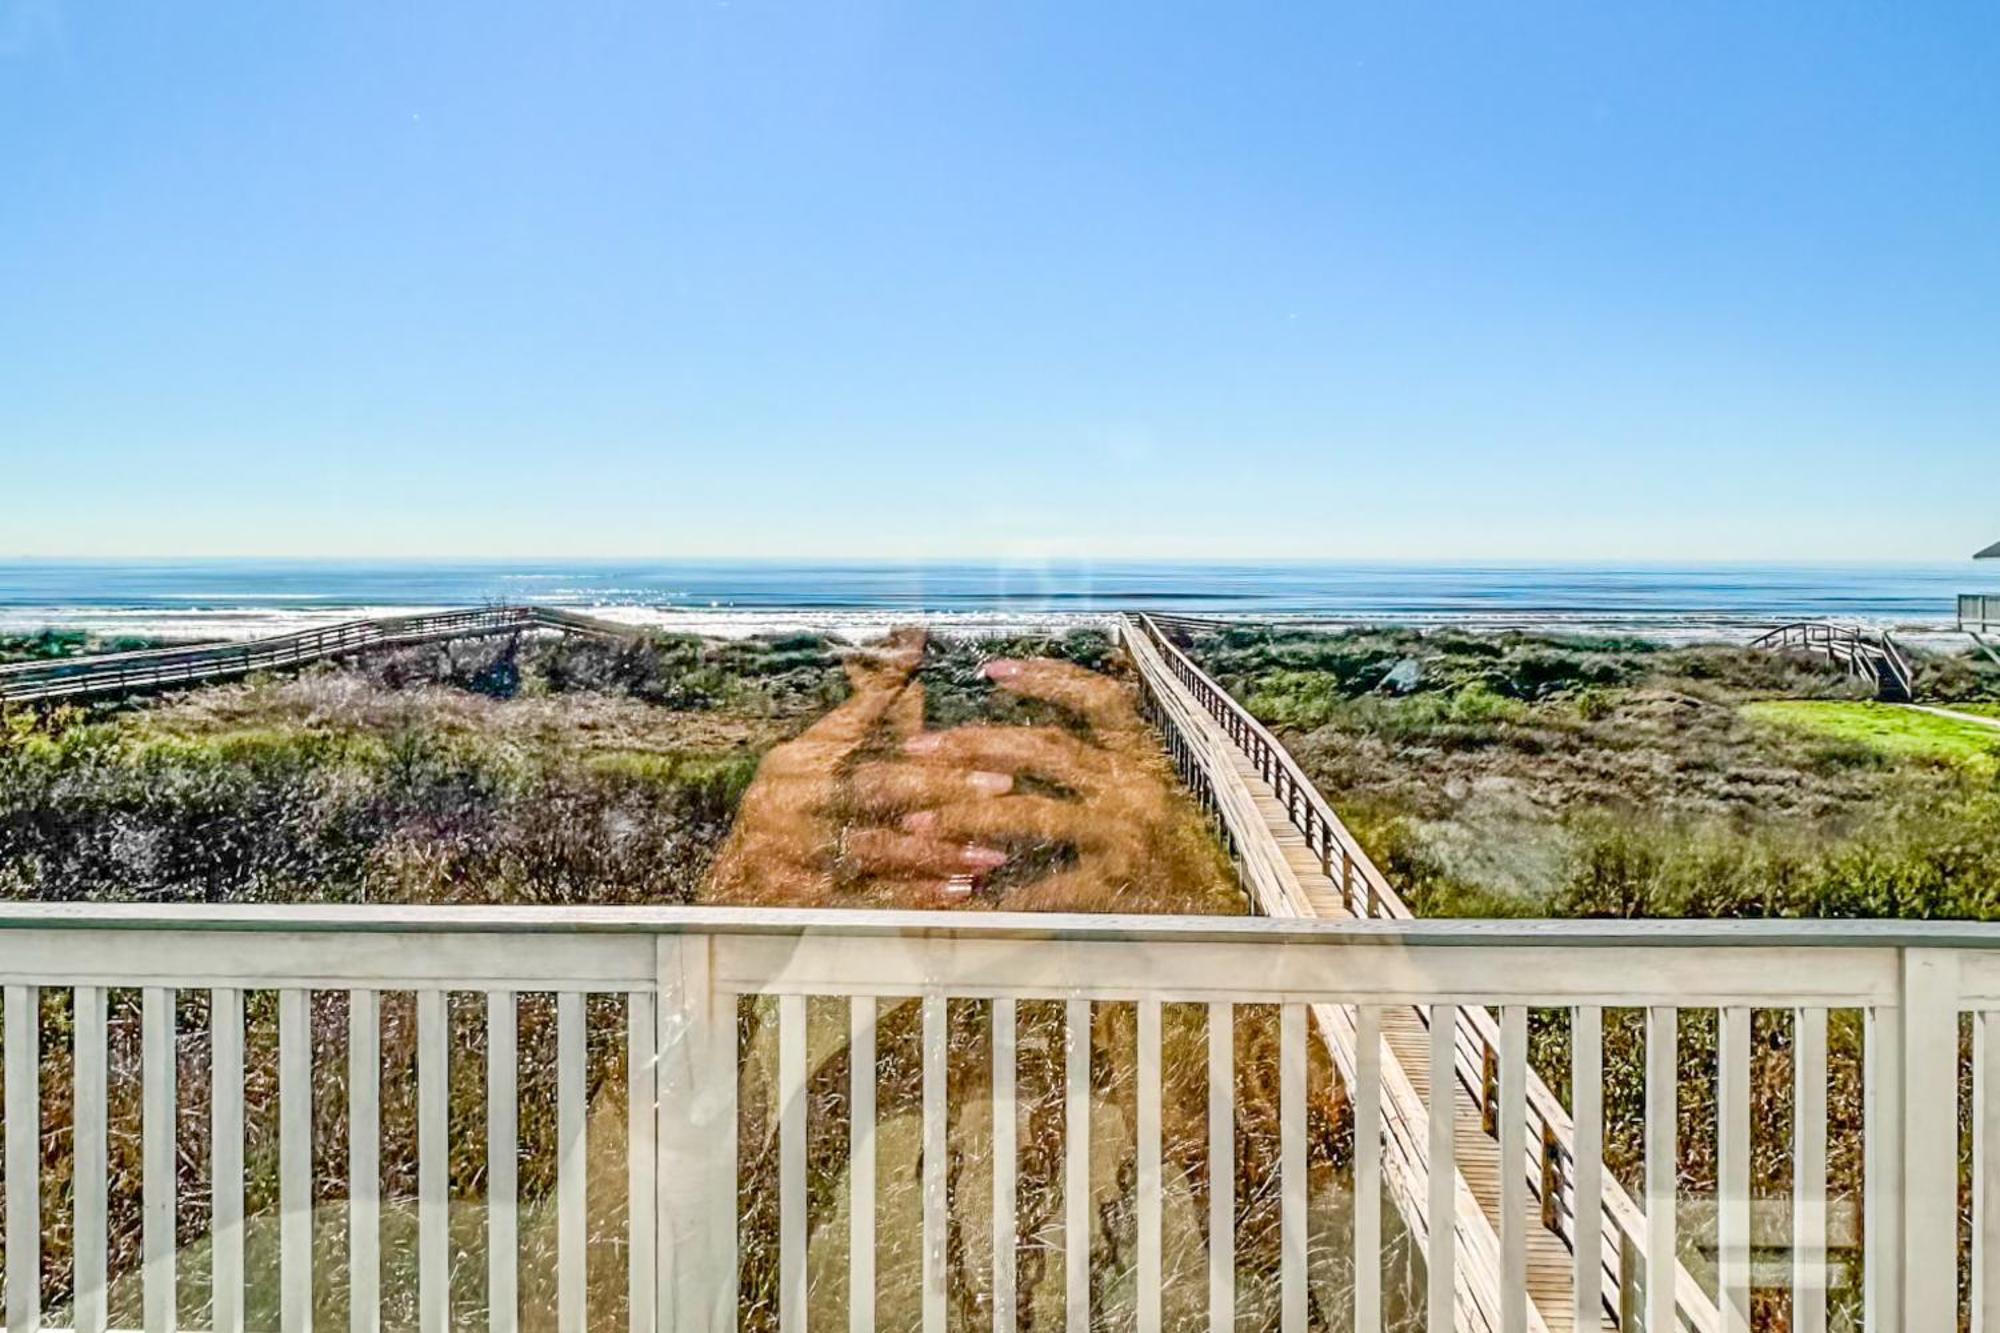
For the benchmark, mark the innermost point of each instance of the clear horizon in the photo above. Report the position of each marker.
(1561, 285)
(990, 560)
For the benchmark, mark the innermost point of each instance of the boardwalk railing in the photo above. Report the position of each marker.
(1875, 658)
(1546, 1135)
(1978, 613)
(1175, 624)
(1364, 888)
(158, 668)
(667, 985)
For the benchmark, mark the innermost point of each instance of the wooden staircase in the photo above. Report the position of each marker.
(1875, 658)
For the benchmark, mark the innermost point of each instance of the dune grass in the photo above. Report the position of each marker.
(1887, 728)
(488, 772)
(568, 772)
(1537, 775)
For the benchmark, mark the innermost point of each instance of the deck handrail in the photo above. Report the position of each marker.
(1865, 655)
(1478, 1035)
(147, 668)
(1585, 933)
(678, 975)
(1978, 613)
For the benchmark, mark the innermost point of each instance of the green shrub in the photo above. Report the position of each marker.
(321, 794)
(41, 645)
(1300, 699)
(1591, 703)
(766, 676)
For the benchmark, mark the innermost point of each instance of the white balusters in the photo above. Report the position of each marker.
(682, 1171)
(1733, 1166)
(364, 1161)
(294, 1162)
(1005, 1144)
(1292, 1167)
(861, 1029)
(1221, 1167)
(1662, 1162)
(1513, 1130)
(433, 1164)
(1367, 1093)
(1882, 1170)
(792, 1164)
(1809, 1171)
(158, 1073)
(1149, 1183)
(571, 1220)
(1076, 1166)
(23, 1038)
(503, 1042)
(641, 1161)
(91, 1199)
(225, 1116)
(1587, 1154)
(934, 1016)
(1442, 1210)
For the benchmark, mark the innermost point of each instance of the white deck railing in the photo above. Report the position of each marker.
(1979, 613)
(679, 976)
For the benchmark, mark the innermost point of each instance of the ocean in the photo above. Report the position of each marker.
(240, 598)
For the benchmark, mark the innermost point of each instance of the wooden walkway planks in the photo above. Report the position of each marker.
(1287, 874)
(167, 668)
(1406, 1039)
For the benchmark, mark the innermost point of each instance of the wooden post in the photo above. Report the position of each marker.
(697, 1141)
(1929, 1095)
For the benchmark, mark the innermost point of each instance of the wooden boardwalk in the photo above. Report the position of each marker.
(168, 668)
(1406, 1041)
(1870, 656)
(1297, 860)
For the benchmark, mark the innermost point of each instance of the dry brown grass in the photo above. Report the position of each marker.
(868, 809)
(577, 796)
(863, 808)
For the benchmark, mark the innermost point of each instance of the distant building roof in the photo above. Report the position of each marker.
(1990, 553)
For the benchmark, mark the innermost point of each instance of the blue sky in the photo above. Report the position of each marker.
(1581, 281)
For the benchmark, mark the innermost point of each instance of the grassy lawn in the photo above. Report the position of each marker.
(1894, 731)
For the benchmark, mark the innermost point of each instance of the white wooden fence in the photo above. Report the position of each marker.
(681, 974)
